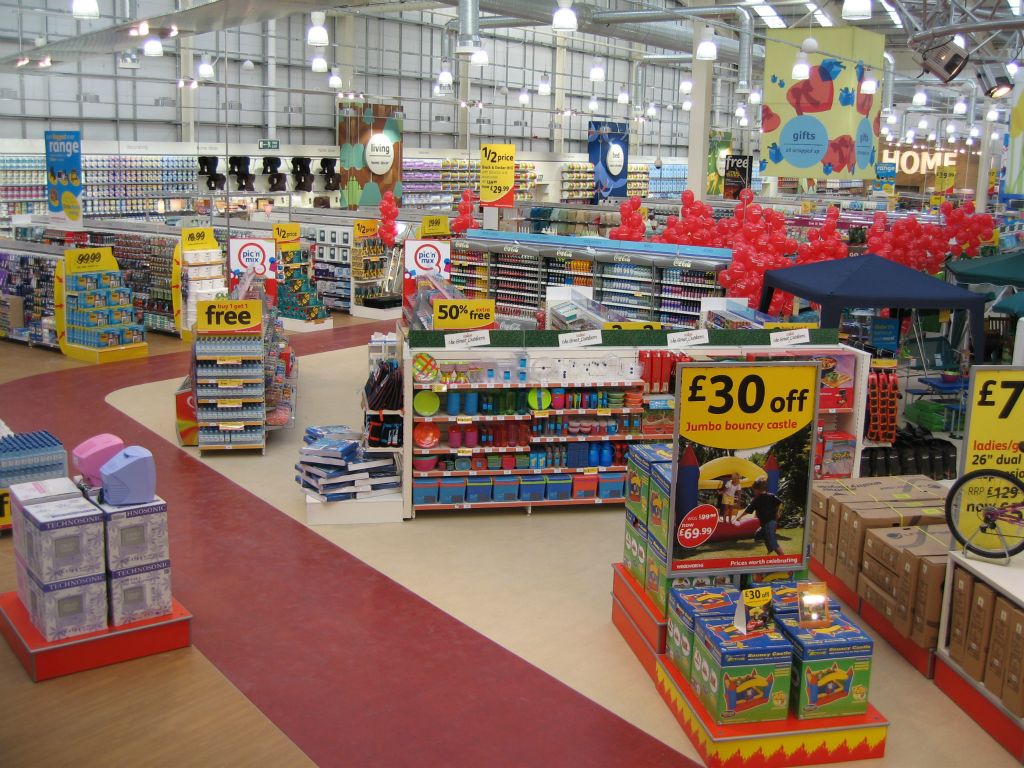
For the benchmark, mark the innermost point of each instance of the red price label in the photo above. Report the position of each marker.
(697, 526)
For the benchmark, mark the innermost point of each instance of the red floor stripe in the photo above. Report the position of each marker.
(354, 668)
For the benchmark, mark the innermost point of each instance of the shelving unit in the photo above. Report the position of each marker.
(331, 248)
(638, 180)
(27, 292)
(577, 183)
(439, 183)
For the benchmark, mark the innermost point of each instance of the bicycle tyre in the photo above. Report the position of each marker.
(953, 520)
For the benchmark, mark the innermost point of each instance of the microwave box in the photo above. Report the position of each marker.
(139, 592)
(62, 539)
(63, 609)
(136, 534)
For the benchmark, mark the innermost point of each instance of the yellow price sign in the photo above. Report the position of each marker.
(287, 232)
(230, 316)
(945, 179)
(198, 239)
(497, 175)
(743, 406)
(463, 314)
(365, 228)
(633, 325)
(434, 226)
(757, 597)
(78, 260)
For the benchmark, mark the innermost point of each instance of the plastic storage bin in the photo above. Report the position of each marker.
(584, 486)
(506, 489)
(452, 490)
(532, 488)
(611, 485)
(559, 487)
(478, 489)
(425, 490)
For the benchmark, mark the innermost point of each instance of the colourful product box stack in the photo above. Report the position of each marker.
(658, 544)
(138, 561)
(297, 298)
(98, 311)
(684, 606)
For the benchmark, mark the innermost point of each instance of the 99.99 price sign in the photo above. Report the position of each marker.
(744, 459)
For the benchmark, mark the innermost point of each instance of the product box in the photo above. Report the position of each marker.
(740, 677)
(657, 583)
(892, 546)
(1013, 683)
(959, 614)
(478, 490)
(139, 592)
(837, 452)
(62, 609)
(931, 580)
(426, 490)
(136, 534)
(771, 578)
(831, 668)
(838, 371)
(659, 507)
(998, 646)
(584, 486)
(786, 598)
(532, 488)
(638, 473)
(979, 627)
(634, 555)
(684, 605)
(506, 488)
(452, 490)
(62, 539)
(823, 490)
(876, 597)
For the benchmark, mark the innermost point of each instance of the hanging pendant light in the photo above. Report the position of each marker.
(623, 97)
(544, 85)
(153, 47)
(524, 97)
(316, 35)
(856, 10)
(85, 9)
(205, 69)
(801, 68)
(869, 84)
(707, 50)
(564, 19)
(444, 77)
(920, 97)
(319, 64)
(597, 71)
(755, 96)
(685, 84)
(479, 57)
(592, 105)
(334, 81)
(687, 105)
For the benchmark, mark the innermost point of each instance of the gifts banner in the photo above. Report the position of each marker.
(608, 147)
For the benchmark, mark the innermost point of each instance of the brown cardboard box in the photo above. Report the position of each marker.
(821, 490)
(935, 544)
(876, 597)
(1013, 682)
(979, 626)
(818, 542)
(882, 577)
(860, 520)
(931, 580)
(998, 646)
(889, 546)
(959, 614)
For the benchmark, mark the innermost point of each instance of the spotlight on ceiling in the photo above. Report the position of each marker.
(993, 85)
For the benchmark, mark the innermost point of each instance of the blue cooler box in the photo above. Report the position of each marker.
(425, 490)
(453, 490)
(559, 487)
(478, 490)
(532, 488)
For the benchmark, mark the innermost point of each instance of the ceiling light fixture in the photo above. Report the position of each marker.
(685, 84)
(687, 105)
(597, 71)
(181, 82)
(544, 85)
(891, 118)
(707, 50)
(143, 29)
(992, 115)
(993, 84)
(174, 31)
(969, 141)
(85, 9)
(45, 62)
(205, 69)
(248, 65)
(592, 105)
(652, 110)
(996, 136)
(524, 97)
(334, 81)
(153, 47)
(22, 61)
(193, 85)
(922, 124)
(959, 42)
(741, 111)
(951, 126)
(960, 106)
(564, 20)
(444, 77)
(479, 58)
(931, 136)
(1012, 68)
(744, 121)
(920, 97)
(623, 97)
(809, 45)
(319, 64)
(801, 69)
(755, 96)
(316, 35)
(975, 132)
(856, 10)
(869, 84)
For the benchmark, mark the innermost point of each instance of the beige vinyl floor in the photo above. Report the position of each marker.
(540, 584)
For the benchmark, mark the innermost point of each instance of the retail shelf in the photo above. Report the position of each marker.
(677, 311)
(620, 290)
(523, 267)
(586, 411)
(525, 385)
(231, 446)
(473, 419)
(595, 438)
(623, 305)
(633, 278)
(226, 359)
(519, 504)
(468, 451)
(239, 399)
(383, 449)
(541, 471)
(690, 285)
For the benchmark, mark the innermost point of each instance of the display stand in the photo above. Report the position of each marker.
(44, 660)
(299, 305)
(197, 274)
(375, 272)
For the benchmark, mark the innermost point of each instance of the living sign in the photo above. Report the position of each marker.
(913, 161)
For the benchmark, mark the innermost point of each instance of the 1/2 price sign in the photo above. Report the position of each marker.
(497, 175)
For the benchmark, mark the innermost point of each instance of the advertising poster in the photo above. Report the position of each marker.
(1014, 182)
(822, 127)
(370, 141)
(993, 440)
(719, 143)
(246, 253)
(608, 147)
(497, 175)
(426, 257)
(738, 169)
(885, 178)
(745, 456)
(64, 177)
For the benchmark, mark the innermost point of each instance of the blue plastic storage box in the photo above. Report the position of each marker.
(453, 490)
(478, 490)
(559, 487)
(506, 488)
(532, 488)
(425, 490)
(611, 485)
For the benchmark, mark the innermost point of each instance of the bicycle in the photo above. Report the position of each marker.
(985, 513)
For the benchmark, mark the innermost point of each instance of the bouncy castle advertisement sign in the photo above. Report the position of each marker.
(608, 148)
(825, 126)
(744, 461)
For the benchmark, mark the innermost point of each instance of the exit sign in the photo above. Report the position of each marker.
(270, 144)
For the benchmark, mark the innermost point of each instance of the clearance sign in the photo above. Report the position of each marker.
(497, 175)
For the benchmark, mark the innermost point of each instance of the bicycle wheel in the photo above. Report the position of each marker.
(985, 513)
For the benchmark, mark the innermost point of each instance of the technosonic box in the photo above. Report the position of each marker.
(136, 534)
(684, 605)
(141, 592)
(831, 668)
(638, 466)
(62, 539)
(740, 678)
(65, 608)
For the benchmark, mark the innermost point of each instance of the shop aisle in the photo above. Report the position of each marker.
(353, 668)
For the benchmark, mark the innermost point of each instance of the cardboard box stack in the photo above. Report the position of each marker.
(138, 561)
(640, 462)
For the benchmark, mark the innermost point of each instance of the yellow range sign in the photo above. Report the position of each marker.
(434, 226)
(77, 260)
(364, 228)
(746, 406)
(197, 239)
(286, 233)
(497, 175)
(463, 314)
(228, 316)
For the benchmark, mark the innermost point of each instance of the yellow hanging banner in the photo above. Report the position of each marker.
(198, 239)
(945, 180)
(463, 314)
(365, 228)
(434, 226)
(287, 232)
(497, 175)
(78, 260)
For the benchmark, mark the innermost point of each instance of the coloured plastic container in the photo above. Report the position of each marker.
(453, 490)
(559, 487)
(584, 486)
(532, 488)
(684, 605)
(478, 489)
(506, 488)
(425, 490)
(831, 668)
(610, 485)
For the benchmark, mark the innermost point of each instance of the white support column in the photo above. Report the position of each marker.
(700, 121)
(559, 84)
(462, 115)
(984, 162)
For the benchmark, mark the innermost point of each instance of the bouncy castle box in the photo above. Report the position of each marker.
(685, 604)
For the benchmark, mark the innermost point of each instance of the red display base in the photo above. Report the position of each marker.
(776, 744)
(840, 590)
(645, 614)
(634, 638)
(921, 659)
(44, 660)
(999, 725)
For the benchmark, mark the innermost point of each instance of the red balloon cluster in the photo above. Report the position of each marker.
(388, 215)
(823, 244)
(631, 224)
(696, 226)
(925, 246)
(465, 218)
